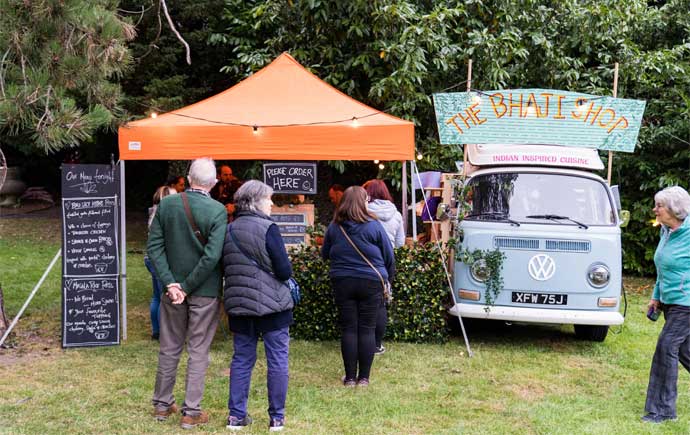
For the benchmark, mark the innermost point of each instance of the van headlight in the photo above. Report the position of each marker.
(479, 270)
(598, 275)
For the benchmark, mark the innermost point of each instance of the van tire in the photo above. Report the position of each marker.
(591, 332)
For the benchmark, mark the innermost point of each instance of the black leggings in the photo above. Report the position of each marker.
(358, 301)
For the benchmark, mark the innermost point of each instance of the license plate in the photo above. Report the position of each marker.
(540, 298)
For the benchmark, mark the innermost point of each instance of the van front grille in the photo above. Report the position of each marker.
(568, 245)
(516, 243)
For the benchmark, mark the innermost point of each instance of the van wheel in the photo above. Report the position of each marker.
(591, 332)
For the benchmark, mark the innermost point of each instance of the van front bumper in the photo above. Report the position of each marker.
(537, 315)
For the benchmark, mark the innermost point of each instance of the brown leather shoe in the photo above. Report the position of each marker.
(163, 414)
(192, 421)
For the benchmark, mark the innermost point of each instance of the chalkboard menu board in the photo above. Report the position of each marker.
(292, 221)
(90, 261)
(291, 177)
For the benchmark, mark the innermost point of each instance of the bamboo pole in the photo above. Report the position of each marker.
(615, 94)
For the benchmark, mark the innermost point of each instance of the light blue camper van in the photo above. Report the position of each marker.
(557, 224)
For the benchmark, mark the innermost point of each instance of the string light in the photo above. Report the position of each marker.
(376, 162)
(355, 123)
(154, 115)
(420, 156)
(580, 105)
(654, 223)
(255, 129)
(381, 166)
(476, 98)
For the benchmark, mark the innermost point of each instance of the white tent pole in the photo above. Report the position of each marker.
(444, 261)
(123, 250)
(413, 202)
(31, 296)
(404, 195)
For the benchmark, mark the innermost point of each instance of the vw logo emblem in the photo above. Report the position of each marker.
(541, 267)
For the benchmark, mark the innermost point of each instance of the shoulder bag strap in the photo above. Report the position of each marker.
(190, 219)
(383, 284)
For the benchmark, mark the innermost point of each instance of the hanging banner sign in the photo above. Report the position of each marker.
(538, 116)
(291, 177)
(90, 261)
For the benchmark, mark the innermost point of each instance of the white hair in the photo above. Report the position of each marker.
(676, 200)
(250, 193)
(202, 173)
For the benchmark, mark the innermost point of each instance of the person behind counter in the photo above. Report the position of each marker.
(671, 296)
(225, 189)
(176, 182)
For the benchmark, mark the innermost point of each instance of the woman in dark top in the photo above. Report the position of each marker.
(258, 302)
(357, 286)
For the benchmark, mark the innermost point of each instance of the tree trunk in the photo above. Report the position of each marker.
(4, 324)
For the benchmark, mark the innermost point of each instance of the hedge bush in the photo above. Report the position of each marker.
(420, 297)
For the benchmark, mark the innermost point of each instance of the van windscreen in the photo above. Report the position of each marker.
(539, 197)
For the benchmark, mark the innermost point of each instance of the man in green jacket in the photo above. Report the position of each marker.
(185, 246)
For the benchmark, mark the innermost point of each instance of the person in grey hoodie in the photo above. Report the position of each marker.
(381, 204)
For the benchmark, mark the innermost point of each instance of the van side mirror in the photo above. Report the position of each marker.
(624, 216)
(617, 197)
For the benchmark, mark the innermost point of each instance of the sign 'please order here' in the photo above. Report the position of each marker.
(538, 116)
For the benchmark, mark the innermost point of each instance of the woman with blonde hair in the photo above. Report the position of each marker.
(361, 260)
(154, 307)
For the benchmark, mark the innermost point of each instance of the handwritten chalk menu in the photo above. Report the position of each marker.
(292, 221)
(291, 177)
(90, 261)
(91, 312)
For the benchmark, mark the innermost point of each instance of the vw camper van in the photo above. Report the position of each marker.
(558, 225)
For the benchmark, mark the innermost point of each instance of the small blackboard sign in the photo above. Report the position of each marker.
(90, 260)
(295, 239)
(91, 311)
(292, 229)
(288, 218)
(291, 177)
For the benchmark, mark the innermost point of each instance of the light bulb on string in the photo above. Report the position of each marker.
(381, 166)
(580, 105)
(154, 115)
(477, 98)
(420, 156)
(255, 129)
(355, 122)
(376, 162)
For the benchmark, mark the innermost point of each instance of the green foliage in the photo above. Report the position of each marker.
(316, 317)
(492, 262)
(161, 80)
(397, 53)
(420, 297)
(56, 62)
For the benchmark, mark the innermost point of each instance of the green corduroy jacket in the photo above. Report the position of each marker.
(177, 254)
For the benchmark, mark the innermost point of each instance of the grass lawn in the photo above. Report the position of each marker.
(522, 379)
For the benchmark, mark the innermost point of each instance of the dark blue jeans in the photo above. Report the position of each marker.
(277, 346)
(358, 302)
(155, 298)
(673, 346)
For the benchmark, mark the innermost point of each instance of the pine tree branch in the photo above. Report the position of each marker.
(172, 27)
(2, 72)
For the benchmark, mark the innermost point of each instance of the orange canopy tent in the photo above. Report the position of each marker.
(283, 112)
